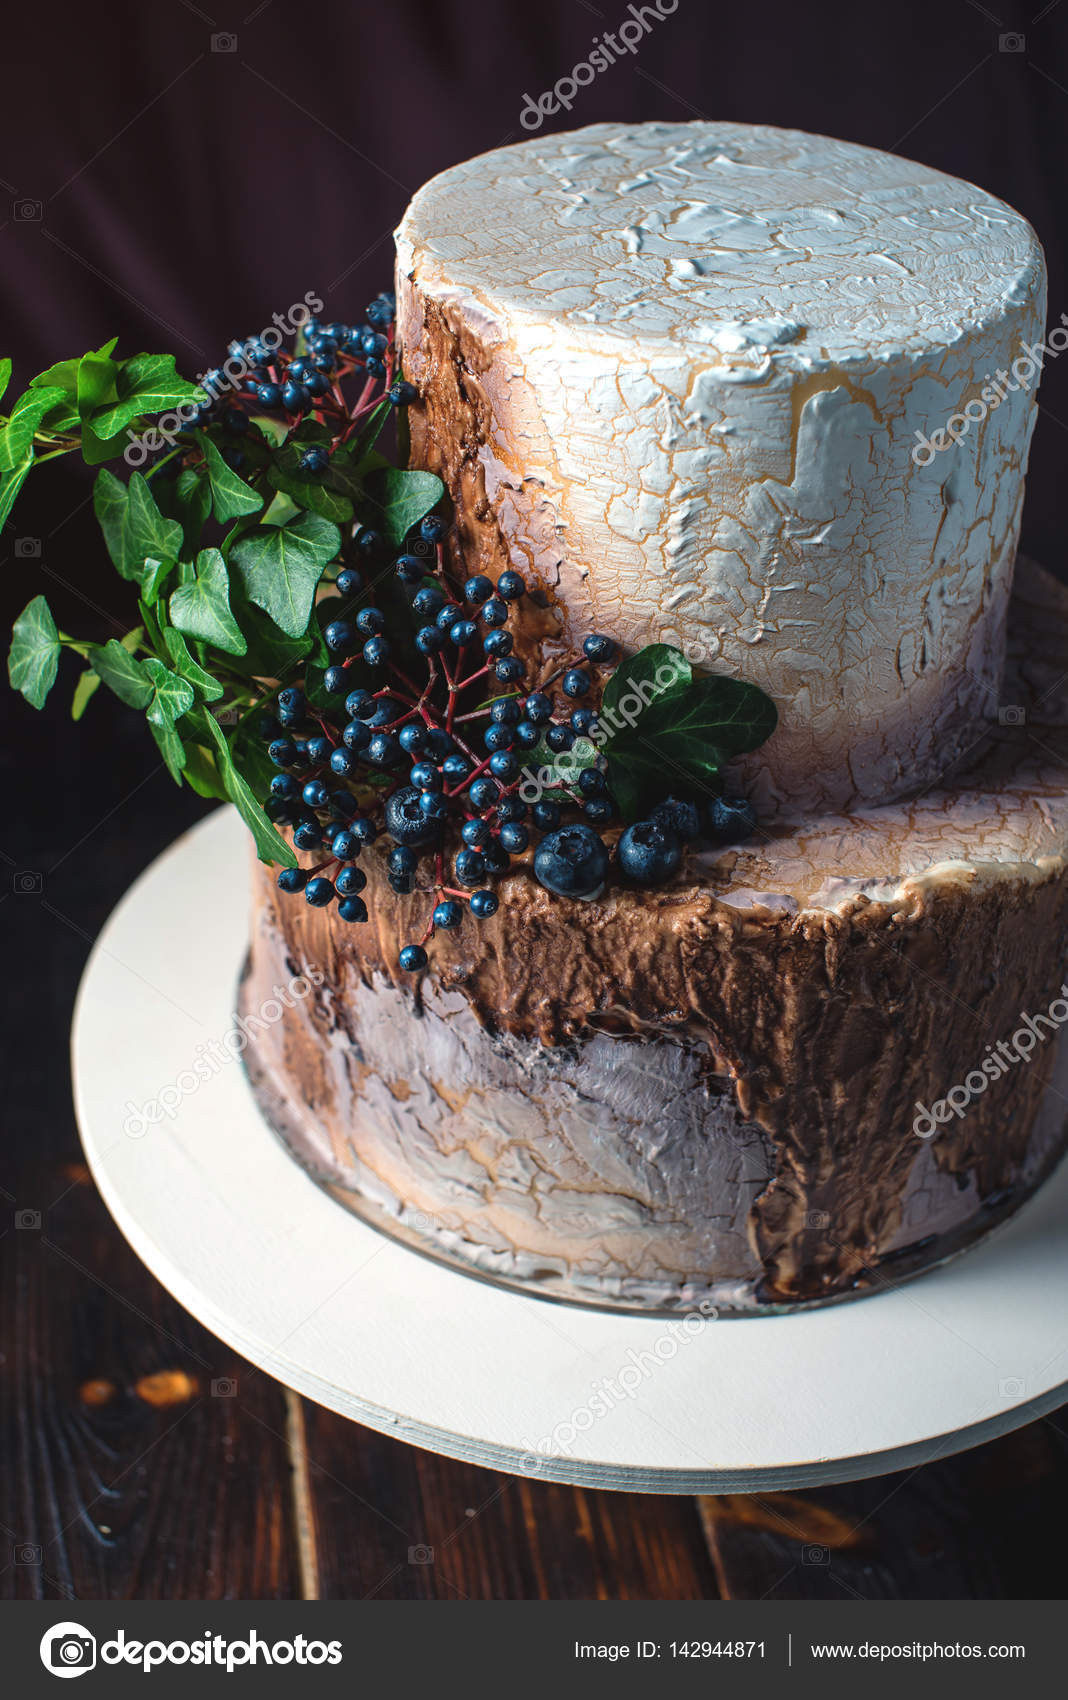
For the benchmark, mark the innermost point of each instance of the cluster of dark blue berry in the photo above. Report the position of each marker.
(290, 386)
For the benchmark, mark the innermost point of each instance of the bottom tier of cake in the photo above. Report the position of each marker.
(814, 1064)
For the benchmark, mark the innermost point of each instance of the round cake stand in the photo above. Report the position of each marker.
(238, 1233)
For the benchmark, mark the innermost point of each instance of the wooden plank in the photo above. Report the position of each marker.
(980, 1525)
(394, 1522)
(151, 1461)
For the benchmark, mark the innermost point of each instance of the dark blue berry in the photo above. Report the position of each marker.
(575, 683)
(599, 810)
(352, 909)
(498, 737)
(484, 904)
(292, 879)
(368, 541)
(291, 700)
(448, 914)
(571, 862)
(376, 651)
(340, 637)
(402, 884)
(269, 395)
(511, 586)
(427, 602)
(463, 632)
(425, 776)
(402, 860)
(506, 710)
(432, 529)
(344, 804)
(370, 621)
(470, 867)
(478, 589)
(383, 749)
(559, 738)
(314, 459)
(413, 738)
(527, 735)
(455, 768)
(495, 858)
(315, 794)
(429, 639)
(405, 821)
(483, 793)
(538, 708)
(356, 735)
(509, 670)
(597, 647)
(514, 837)
(279, 810)
(343, 763)
(350, 882)
(592, 782)
(729, 820)
(360, 705)
(475, 833)
(504, 766)
(649, 852)
(412, 958)
(402, 394)
(349, 581)
(545, 816)
(680, 816)
(434, 806)
(282, 752)
(583, 720)
(334, 680)
(495, 612)
(319, 892)
(439, 742)
(448, 616)
(364, 831)
(318, 749)
(285, 786)
(345, 845)
(411, 569)
(511, 808)
(497, 643)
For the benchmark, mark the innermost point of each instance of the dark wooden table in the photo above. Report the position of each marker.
(125, 1474)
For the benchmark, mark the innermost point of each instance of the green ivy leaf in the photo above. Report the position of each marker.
(90, 681)
(5, 375)
(33, 660)
(306, 494)
(659, 670)
(155, 576)
(145, 531)
(122, 674)
(231, 496)
(681, 739)
(146, 383)
(95, 383)
(110, 501)
(202, 774)
(281, 567)
(171, 696)
(16, 442)
(270, 845)
(202, 609)
(188, 668)
(170, 747)
(401, 499)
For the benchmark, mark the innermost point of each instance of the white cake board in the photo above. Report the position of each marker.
(245, 1240)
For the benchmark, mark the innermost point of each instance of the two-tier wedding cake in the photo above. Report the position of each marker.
(767, 398)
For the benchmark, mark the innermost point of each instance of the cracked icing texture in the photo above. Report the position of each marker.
(676, 371)
(707, 1091)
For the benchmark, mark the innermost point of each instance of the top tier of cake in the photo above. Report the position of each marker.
(683, 375)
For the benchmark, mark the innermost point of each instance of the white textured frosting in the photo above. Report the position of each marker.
(706, 350)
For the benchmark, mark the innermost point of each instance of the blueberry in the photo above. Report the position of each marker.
(582, 721)
(282, 752)
(483, 793)
(334, 680)
(559, 738)
(538, 708)
(294, 396)
(434, 806)
(402, 860)
(340, 636)
(343, 763)
(403, 394)
(356, 735)
(592, 782)
(402, 884)
(345, 845)
(495, 612)
(571, 862)
(318, 749)
(412, 738)
(470, 867)
(729, 820)
(364, 831)
(314, 459)
(484, 904)
(511, 808)
(448, 914)
(349, 580)
(315, 794)
(370, 621)
(475, 833)
(680, 816)
(478, 589)
(269, 395)
(439, 742)
(412, 958)
(285, 786)
(448, 616)
(368, 541)
(498, 737)
(350, 882)
(291, 700)
(429, 639)
(352, 909)
(649, 852)
(410, 569)
(292, 879)
(406, 822)
(376, 651)
(315, 382)
(509, 670)
(514, 838)
(428, 601)
(506, 710)
(432, 529)
(425, 776)
(360, 705)
(545, 816)
(383, 749)
(497, 643)
(575, 683)
(599, 810)
(455, 768)
(511, 586)
(527, 735)
(462, 632)
(319, 892)
(597, 647)
(503, 765)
